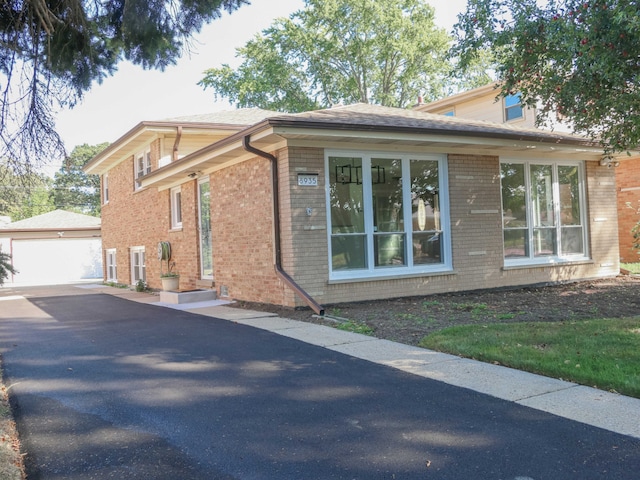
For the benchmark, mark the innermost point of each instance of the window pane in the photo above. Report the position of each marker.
(515, 243)
(345, 186)
(179, 207)
(569, 187)
(206, 246)
(348, 252)
(425, 212)
(427, 247)
(389, 250)
(514, 211)
(347, 214)
(544, 241)
(572, 240)
(386, 188)
(513, 107)
(542, 196)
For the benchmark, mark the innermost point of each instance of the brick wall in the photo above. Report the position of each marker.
(628, 180)
(142, 218)
(476, 234)
(242, 232)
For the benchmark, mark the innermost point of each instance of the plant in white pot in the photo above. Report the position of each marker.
(170, 278)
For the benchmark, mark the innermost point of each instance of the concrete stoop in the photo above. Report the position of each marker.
(188, 296)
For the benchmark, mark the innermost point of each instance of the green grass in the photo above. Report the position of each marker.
(632, 267)
(355, 327)
(602, 353)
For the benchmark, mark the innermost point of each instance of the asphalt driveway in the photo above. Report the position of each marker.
(106, 388)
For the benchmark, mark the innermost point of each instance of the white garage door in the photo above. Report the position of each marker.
(54, 261)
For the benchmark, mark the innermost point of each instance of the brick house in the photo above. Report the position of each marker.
(354, 203)
(481, 104)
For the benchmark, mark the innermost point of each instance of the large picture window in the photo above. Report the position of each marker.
(543, 212)
(387, 214)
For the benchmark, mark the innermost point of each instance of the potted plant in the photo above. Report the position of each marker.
(170, 278)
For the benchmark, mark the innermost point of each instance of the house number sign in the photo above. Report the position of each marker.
(308, 179)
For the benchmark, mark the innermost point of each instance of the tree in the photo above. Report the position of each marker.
(73, 189)
(52, 52)
(576, 59)
(23, 196)
(6, 267)
(386, 52)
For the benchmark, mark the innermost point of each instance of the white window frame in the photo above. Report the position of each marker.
(141, 165)
(371, 271)
(138, 269)
(507, 107)
(105, 189)
(176, 208)
(111, 265)
(557, 258)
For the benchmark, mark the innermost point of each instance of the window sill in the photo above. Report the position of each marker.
(555, 263)
(400, 276)
(175, 230)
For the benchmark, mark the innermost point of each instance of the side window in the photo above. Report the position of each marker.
(112, 271)
(176, 208)
(513, 108)
(105, 188)
(142, 166)
(138, 265)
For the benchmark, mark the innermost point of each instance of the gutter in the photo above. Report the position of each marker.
(284, 276)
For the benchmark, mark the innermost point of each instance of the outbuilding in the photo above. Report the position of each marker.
(54, 248)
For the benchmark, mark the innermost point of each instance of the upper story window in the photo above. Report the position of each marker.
(449, 113)
(142, 165)
(513, 108)
(105, 188)
(176, 208)
(388, 214)
(543, 212)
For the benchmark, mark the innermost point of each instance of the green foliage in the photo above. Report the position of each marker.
(571, 58)
(141, 286)
(74, 190)
(23, 196)
(6, 267)
(603, 353)
(52, 52)
(386, 52)
(355, 327)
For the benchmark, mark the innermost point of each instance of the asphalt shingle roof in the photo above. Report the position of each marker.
(57, 219)
(369, 116)
(243, 116)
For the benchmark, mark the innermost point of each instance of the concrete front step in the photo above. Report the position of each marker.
(189, 296)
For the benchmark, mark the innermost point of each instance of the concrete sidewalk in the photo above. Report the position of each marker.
(591, 406)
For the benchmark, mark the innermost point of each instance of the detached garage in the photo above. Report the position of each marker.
(54, 248)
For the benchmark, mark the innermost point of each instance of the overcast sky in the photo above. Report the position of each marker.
(132, 95)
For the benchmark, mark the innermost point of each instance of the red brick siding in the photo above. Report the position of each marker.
(142, 218)
(628, 180)
(242, 232)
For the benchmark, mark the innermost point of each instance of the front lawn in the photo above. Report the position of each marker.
(601, 353)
